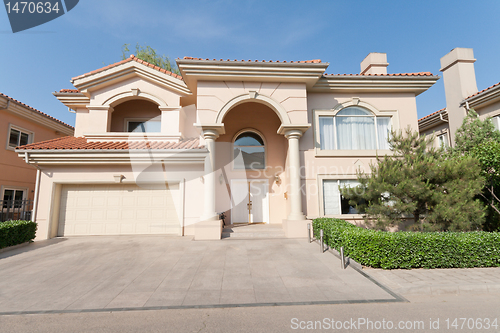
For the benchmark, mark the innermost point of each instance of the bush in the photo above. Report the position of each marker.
(16, 232)
(381, 249)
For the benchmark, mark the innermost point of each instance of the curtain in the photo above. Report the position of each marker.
(355, 133)
(331, 197)
(383, 132)
(326, 136)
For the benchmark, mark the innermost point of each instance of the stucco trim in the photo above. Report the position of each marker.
(253, 97)
(129, 95)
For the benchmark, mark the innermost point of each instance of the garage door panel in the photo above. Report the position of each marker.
(118, 210)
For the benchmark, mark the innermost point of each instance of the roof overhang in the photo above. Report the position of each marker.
(127, 70)
(73, 100)
(433, 120)
(484, 98)
(22, 111)
(219, 70)
(370, 83)
(113, 156)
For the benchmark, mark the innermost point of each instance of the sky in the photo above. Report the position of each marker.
(414, 34)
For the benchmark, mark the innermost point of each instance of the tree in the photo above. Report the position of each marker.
(421, 183)
(480, 139)
(147, 53)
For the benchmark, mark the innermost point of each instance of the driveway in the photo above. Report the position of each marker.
(105, 273)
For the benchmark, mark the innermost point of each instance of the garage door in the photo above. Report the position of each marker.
(119, 209)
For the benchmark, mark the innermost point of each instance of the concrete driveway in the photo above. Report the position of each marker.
(153, 272)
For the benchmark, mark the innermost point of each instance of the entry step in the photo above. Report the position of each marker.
(253, 231)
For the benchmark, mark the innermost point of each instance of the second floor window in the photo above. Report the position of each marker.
(443, 140)
(354, 128)
(249, 151)
(18, 138)
(144, 126)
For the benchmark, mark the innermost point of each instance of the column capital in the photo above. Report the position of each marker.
(100, 108)
(170, 108)
(210, 134)
(211, 129)
(293, 134)
(285, 129)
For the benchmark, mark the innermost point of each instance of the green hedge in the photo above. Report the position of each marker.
(16, 232)
(403, 249)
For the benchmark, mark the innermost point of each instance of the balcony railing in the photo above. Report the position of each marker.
(15, 210)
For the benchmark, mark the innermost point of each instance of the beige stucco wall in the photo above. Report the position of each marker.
(488, 111)
(52, 177)
(14, 172)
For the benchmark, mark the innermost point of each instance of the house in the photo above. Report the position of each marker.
(21, 124)
(461, 95)
(262, 141)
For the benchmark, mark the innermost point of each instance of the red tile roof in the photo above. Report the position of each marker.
(429, 115)
(80, 143)
(315, 61)
(69, 91)
(479, 92)
(131, 58)
(37, 111)
(394, 74)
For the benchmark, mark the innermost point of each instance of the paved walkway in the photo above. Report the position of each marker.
(139, 272)
(439, 281)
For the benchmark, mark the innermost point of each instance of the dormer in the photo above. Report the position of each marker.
(125, 100)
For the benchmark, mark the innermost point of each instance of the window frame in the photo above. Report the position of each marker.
(143, 120)
(252, 130)
(441, 135)
(394, 123)
(31, 136)
(15, 189)
(338, 178)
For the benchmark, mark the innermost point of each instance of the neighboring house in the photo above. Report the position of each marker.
(461, 95)
(280, 137)
(21, 124)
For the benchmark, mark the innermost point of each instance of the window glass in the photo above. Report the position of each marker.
(496, 122)
(14, 138)
(12, 198)
(249, 151)
(333, 202)
(149, 126)
(354, 128)
(443, 140)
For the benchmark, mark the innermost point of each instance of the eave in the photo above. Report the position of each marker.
(212, 70)
(112, 157)
(433, 120)
(88, 83)
(484, 98)
(359, 83)
(73, 100)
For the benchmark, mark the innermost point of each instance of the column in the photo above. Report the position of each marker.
(295, 196)
(209, 212)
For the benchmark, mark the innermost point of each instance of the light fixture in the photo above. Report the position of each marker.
(277, 180)
(118, 178)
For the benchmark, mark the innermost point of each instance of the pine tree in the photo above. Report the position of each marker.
(420, 183)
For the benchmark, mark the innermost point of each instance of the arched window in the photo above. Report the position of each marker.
(354, 128)
(249, 151)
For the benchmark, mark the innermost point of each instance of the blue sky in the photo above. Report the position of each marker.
(414, 34)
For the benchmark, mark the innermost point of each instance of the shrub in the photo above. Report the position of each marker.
(381, 249)
(16, 232)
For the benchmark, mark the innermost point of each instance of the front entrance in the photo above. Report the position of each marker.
(250, 201)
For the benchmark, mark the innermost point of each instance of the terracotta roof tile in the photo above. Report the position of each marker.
(131, 58)
(394, 74)
(69, 91)
(80, 143)
(479, 92)
(315, 61)
(37, 111)
(429, 115)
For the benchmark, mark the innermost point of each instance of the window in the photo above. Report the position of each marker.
(354, 128)
(144, 126)
(10, 195)
(496, 122)
(249, 151)
(333, 202)
(18, 138)
(443, 140)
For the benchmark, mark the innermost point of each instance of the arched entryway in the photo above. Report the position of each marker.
(137, 115)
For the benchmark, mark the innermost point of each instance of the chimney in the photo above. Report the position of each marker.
(459, 83)
(374, 63)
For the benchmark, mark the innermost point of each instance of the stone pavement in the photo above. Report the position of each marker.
(105, 273)
(439, 281)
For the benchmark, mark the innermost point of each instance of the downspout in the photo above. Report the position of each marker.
(441, 117)
(7, 107)
(37, 185)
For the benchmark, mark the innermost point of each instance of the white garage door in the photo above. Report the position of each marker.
(119, 209)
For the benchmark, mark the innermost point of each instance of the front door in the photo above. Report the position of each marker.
(249, 201)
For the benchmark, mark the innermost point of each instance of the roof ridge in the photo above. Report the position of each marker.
(479, 92)
(131, 58)
(38, 111)
(436, 112)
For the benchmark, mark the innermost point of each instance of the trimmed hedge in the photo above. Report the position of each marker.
(390, 250)
(16, 232)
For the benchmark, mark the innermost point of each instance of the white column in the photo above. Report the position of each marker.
(295, 196)
(209, 212)
(99, 120)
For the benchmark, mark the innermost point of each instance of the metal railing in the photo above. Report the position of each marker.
(15, 210)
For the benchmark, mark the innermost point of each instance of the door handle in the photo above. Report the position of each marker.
(249, 205)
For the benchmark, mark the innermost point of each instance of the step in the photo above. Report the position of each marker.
(253, 231)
